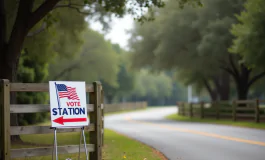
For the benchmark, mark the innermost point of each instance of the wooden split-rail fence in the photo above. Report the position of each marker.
(95, 127)
(237, 110)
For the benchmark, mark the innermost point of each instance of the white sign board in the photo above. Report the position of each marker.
(68, 104)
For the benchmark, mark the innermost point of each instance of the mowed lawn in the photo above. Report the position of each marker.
(116, 147)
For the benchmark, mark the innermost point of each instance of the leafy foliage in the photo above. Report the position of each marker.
(152, 85)
(31, 70)
(193, 40)
(40, 50)
(250, 33)
(96, 60)
(125, 78)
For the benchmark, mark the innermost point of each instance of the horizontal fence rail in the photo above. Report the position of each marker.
(20, 130)
(36, 108)
(237, 110)
(45, 151)
(38, 87)
(95, 128)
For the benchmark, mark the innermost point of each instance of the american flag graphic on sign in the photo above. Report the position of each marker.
(67, 92)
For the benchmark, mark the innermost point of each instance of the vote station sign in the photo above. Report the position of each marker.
(68, 104)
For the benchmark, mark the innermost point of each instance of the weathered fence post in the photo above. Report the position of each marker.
(5, 119)
(202, 110)
(183, 109)
(179, 112)
(217, 109)
(102, 114)
(191, 112)
(96, 119)
(257, 112)
(234, 105)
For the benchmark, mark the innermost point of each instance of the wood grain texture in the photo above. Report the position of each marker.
(5, 119)
(38, 87)
(96, 136)
(35, 108)
(245, 101)
(19, 130)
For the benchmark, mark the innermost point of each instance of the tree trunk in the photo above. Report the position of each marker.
(222, 83)
(241, 76)
(7, 72)
(213, 93)
(10, 48)
(10, 54)
(242, 92)
(242, 82)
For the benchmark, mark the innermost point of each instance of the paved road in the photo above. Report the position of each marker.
(189, 141)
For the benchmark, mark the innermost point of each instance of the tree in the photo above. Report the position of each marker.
(31, 70)
(19, 19)
(34, 67)
(152, 87)
(125, 78)
(95, 60)
(200, 47)
(249, 34)
(161, 49)
(29, 13)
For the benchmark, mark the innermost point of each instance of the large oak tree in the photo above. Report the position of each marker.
(28, 13)
(196, 42)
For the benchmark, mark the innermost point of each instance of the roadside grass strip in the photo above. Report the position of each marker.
(207, 134)
(215, 121)
(116, 147)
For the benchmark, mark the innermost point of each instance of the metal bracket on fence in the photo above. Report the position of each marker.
(55, 146)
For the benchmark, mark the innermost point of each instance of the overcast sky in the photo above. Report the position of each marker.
(118, 32)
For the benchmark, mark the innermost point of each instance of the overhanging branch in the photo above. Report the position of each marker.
(229, 70)
(233, 66)
(70, 68)
(255, 78)
(72, 6)
(39, 30)
(40, 12)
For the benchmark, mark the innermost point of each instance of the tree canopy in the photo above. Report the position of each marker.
(249, 34)
(197, 46)
(95, 60)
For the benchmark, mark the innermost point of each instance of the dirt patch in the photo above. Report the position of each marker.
(159, 154)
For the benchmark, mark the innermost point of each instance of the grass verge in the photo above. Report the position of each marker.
(214, 121)
(116, 146)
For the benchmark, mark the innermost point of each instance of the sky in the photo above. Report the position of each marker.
(117, 34)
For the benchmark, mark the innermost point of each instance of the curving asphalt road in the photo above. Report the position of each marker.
(189, 141)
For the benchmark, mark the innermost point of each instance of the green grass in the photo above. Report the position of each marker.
(214, 121)
(116, 146)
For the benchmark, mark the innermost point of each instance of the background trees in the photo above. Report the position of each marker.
(195, 41)
(18, 18)
(207, 47)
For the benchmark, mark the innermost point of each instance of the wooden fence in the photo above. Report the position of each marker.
(238, 110)
(95, 128)
(124, 106)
